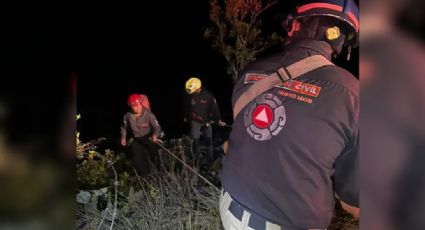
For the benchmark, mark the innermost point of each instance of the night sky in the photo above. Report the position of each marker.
(124, 52)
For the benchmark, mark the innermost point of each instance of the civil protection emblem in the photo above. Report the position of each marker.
(265, 117)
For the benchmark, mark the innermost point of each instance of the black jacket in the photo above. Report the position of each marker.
(296, 145)
(202, 107)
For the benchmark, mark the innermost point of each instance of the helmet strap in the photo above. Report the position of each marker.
(349, 53)
(295, 26)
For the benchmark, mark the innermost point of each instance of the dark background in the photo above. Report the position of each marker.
(122, 53)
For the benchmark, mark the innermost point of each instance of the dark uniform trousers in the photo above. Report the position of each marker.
(143, 152)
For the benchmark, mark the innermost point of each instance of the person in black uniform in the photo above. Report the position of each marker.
(201, 110)
(294, 147)
(145, 129)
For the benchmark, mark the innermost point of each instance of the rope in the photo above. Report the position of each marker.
(160, 144)
(116, 200)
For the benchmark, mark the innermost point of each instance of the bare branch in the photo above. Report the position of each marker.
(236, 32)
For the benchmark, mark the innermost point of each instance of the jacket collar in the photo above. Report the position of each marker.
(313, 47)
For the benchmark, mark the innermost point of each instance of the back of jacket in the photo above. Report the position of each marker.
(291, 146)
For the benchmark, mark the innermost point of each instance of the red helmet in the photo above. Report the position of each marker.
(134, 99)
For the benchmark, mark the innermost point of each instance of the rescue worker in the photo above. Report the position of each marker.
(201, 111)
(145, 129)
(294, 144)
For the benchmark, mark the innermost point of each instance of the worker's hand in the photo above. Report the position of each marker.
(354, 211)
(123, 142)
(221, 123)
(154, 138)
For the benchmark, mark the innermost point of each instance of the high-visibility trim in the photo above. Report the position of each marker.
(355, 20)
(319, 5)
(311, 6)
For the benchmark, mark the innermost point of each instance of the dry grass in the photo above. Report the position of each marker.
(172, 197)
